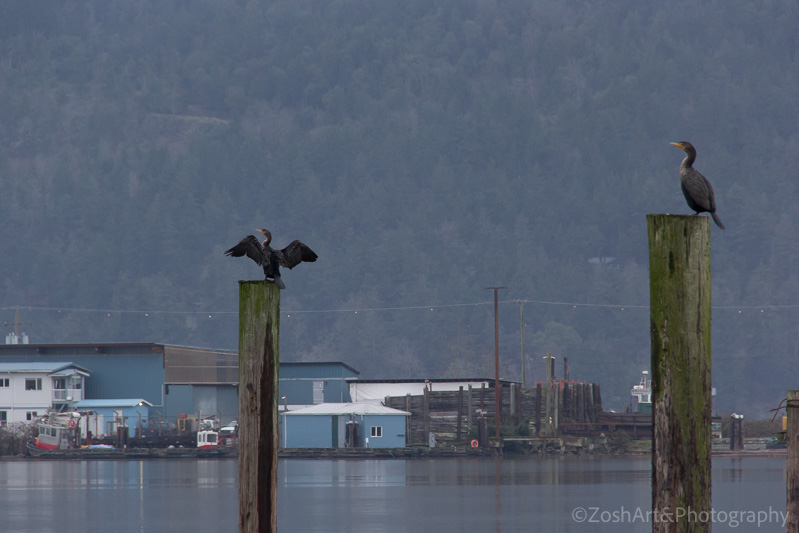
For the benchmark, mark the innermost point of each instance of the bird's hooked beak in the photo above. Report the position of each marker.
(263, 231)
(678, 145)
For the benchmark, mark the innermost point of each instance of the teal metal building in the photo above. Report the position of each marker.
(173, 379)
(131, 412)
(342, 425)
(315, 382)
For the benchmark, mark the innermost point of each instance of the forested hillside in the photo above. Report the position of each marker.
(425, 150)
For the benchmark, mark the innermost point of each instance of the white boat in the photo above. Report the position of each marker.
(642, 394)
(207, 439)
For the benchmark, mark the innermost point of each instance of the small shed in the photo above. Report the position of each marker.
(343, 425)
(116, 412)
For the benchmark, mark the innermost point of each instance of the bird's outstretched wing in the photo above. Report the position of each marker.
(250, 247)
(294, 254)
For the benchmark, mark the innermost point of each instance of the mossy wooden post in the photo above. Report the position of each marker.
(792, 473)
(259, 322)
(679, 299)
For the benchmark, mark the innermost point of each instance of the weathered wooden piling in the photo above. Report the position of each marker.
(679, 281)
(469, 409)
(792, 468)
(460, 413)
(426, 413)
(408, 432)
(538, 390)
(259, 323)
(736, 432)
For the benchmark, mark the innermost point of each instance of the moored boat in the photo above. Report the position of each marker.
(56, 431)
(207, 439)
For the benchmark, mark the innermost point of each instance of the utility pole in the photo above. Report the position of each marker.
(16, 323)
(524, 372)
(497, 391)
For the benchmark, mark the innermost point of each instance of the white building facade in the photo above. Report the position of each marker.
(29, 390)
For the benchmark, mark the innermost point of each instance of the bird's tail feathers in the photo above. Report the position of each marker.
(717, 220)
(279, 283)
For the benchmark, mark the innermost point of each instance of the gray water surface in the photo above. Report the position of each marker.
(552, 494)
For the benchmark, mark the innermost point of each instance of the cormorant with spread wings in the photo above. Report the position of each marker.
(271, 259)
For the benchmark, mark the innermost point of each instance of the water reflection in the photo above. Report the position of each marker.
(394, 495)
(474, 471)
(155, 495)
(537, 494)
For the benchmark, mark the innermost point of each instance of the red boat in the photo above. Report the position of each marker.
(57, 431)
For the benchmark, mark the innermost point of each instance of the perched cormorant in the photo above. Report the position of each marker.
(271, 259)
(697, 190)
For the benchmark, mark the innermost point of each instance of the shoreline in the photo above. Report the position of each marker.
(418, 452)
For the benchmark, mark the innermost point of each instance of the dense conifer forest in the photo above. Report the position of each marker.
(425, 150)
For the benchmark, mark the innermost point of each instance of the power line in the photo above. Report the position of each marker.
(431, 307)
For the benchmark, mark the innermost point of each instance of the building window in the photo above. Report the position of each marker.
(59, 383)
(30, 415)
(3, 417)
(377, 431)
(33, 384)
(5, 383)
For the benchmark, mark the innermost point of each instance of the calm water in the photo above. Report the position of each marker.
(439, 495)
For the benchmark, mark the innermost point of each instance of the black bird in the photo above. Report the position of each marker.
(271, 259)
(697, 190)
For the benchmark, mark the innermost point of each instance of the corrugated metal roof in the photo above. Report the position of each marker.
(320, 369)
(99, 347)
(52, 367)
(490, 381)
(113, 402)
(348, 409)
(72, 369)
(373, 391)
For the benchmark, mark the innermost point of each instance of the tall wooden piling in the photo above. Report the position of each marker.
(538, 388)
(679, 281)
(408, 432)
(550, 367)
(460, 413)
(736, 432)
(426, 408)
(469, 409)
(259, 312)
(792, 468)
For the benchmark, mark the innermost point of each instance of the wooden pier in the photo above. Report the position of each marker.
(547, 410)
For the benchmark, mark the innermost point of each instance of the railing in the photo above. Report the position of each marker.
(61, 395)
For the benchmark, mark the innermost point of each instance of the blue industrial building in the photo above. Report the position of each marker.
(130, 412)
(310, 383)
(340, 425)
(118, 370)
(173, 379)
